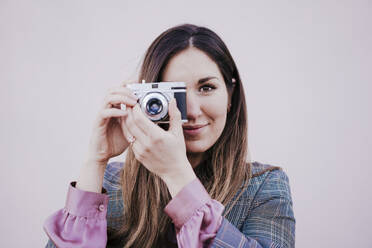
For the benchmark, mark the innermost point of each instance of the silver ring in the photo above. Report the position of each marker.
(132, 139)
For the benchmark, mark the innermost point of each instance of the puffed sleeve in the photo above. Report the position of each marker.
(199, 223)
(195, 215)
(81, 223)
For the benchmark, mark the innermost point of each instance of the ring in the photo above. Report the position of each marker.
(131, 139)
(131, 142)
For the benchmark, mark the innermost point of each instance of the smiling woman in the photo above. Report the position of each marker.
(189, 185)
(207, 99)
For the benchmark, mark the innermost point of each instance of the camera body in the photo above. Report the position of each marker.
(154, 99)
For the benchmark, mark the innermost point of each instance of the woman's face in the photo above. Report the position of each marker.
(207, 97)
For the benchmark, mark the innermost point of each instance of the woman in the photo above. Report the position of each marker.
(188, 184)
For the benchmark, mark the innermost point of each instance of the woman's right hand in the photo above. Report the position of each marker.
(108, 139)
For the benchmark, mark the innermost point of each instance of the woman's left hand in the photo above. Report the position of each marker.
(161, 152)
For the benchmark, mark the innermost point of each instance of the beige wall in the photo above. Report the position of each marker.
(306, 66)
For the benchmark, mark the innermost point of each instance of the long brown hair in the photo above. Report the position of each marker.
(225, 169)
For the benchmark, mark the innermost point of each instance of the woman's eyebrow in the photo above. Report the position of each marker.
(202, 80)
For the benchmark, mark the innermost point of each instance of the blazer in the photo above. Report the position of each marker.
(262, 216)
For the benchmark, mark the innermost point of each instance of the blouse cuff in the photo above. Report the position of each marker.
(86, 204)
(191, 198)
(82, 222)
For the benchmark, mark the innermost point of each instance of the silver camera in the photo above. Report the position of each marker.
(154, 99)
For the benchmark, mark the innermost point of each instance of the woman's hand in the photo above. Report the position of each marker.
(107, 138)
(161, 152)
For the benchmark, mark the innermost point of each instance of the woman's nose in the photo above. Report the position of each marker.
(193, 106)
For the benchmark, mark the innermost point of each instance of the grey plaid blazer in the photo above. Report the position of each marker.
(262, 217)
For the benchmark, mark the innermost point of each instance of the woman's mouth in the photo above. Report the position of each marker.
(193, 130)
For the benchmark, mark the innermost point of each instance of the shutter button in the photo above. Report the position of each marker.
(101, 207)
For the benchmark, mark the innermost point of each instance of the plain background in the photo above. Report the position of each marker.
(306, 68)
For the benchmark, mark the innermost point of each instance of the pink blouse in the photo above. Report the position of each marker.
(82, 222)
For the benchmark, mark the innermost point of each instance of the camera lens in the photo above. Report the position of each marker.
(154, 106)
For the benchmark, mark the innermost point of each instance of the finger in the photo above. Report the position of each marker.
(119, 90)
(129, 81)
(145, 124)
(115, 101)
(122, 90)
(175, 119)
(137, 149)
(106, 114)
(132, 127)
(112, 112)
(128, 136)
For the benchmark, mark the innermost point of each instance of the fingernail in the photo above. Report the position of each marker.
(133, 102)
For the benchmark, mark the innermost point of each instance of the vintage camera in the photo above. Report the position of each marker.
(154, 99)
